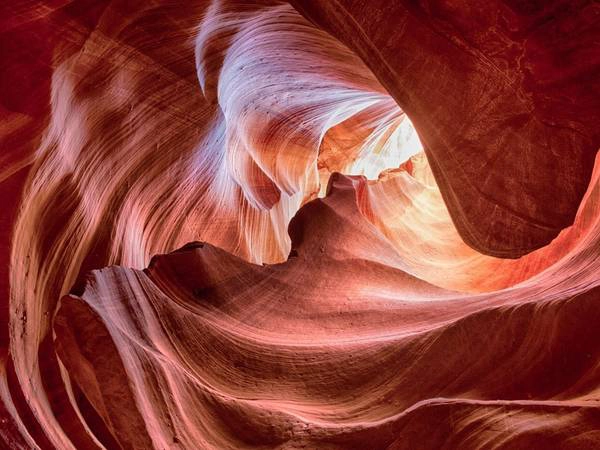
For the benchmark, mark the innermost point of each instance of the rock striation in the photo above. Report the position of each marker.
(339, 224)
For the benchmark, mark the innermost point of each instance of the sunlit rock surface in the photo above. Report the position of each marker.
(495, 87)
(220, 229)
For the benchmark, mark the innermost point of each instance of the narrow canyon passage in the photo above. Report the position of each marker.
(327, 224)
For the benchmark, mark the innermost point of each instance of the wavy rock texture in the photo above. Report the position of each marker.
(516, 75)
(221, 230)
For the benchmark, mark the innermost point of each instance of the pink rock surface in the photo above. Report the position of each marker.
(220, 229)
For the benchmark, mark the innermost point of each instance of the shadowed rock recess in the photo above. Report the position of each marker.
(324, 224)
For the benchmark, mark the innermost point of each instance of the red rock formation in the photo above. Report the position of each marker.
(494, 88)
(321, 310)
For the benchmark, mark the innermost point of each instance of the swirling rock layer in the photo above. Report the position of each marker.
(516, 77)
(221, 230)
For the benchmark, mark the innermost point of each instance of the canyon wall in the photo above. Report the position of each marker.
(330, 224)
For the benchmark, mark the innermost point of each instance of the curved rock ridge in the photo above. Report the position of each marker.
(519, 96)
(220, 229)
(212, 135)
(335, 348)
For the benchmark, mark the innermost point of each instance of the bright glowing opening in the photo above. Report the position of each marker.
(387, 145)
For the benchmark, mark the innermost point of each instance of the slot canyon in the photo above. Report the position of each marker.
(303, 224)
